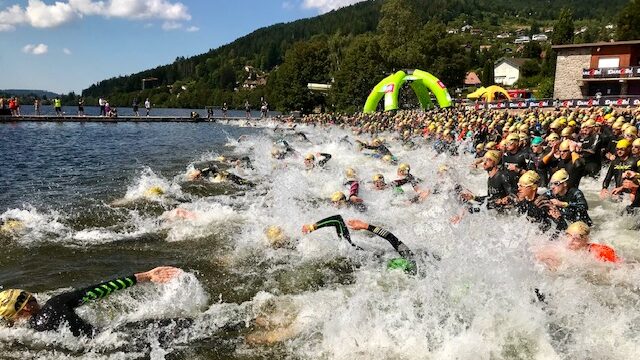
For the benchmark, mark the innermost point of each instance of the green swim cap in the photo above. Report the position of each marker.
(536, 140)
(402, 264)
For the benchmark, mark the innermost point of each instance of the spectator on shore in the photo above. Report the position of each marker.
(147, 106)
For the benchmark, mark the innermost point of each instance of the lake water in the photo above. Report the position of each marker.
(83, 193)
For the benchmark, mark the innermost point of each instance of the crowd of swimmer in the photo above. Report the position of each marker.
(534, 160)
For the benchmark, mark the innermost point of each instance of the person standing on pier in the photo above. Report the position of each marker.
(80, 106)
(57, 105)
(102, 103)
(36, 106)
(135, 106)
(247, 109)
(224, 110)
(147, 106)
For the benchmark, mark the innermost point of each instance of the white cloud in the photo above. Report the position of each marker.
(193, 29)
(171, 25)
(328, 5)
(11, 16)
(66, 51)
(41, 15)
(35, 49)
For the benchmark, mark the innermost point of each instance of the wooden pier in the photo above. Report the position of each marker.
(105, 119)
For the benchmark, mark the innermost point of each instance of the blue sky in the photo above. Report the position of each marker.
(67, 45)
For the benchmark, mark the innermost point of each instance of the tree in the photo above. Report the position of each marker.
(304, 63)
(487, 73)
(629, 22)
(563, 31)
(362, 68)
(397, 29)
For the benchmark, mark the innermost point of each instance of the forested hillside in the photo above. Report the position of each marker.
(355, 46)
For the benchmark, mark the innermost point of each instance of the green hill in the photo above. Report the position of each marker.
(358, 39)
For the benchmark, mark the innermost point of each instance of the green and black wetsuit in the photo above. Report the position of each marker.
(60, 309)
(337, 222)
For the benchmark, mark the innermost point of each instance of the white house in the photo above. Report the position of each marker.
(507, 71)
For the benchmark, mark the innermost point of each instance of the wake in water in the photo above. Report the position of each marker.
(316, 296)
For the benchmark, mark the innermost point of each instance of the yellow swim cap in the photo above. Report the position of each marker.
(12, 225)
(530, 178)
(553, 137)
(631, 130)
(578, 228)
(623, 144)
(491, 145)
(404, 168)
(588, 124)
(378, 177)
(12, 301)
(221, 159)
(276, 236)
(560, 176)
(513, 137)
(566, 132)
(154, 191)
(387, 158)
(309, 157)
(338, 196)
(636, 142)
(493, 155)
(480, 147)
(350, 173)
(565, 145)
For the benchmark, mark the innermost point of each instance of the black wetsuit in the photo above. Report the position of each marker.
(534, 162)
(592, 147)
(578, 206)
(575, 169)
(343, 232)
(408, 179)
(519, 159)
(380, 149)
(617, 168)
(337, 222)
(325, 158)
(213, 171)
(498, 187)
(60, 309)
(537, 212)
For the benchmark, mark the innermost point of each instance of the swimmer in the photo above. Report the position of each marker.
(406, 260)
(12, 226)
(405, 177)
(379, 183)
(20, 306)
(310, 160)
(339, 199)
(577, 239)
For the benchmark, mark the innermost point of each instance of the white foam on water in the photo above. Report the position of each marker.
(477, 302)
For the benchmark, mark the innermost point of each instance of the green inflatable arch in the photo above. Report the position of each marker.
(421, 82)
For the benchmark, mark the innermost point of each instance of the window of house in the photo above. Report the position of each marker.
(609, 62)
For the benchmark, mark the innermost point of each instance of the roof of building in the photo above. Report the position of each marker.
(472, 79)
(598, 44)
(515, 62)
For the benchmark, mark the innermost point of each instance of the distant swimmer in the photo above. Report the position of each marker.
(20, 306)
(310, 160)
(11, 226)
(339, 200)
(377, 145)
(216, 175)
(280, 153)
(405, 262)
(379, 183)
(405, 177)
(154, 191)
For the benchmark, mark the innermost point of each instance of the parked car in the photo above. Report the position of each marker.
(522, 40)
(539, 37)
